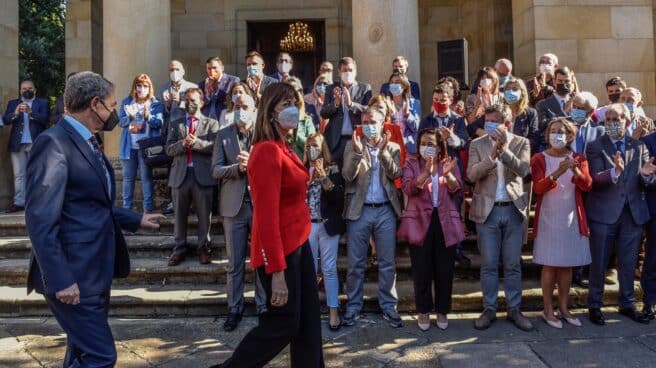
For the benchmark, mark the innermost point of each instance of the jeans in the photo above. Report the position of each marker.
(325, 247)
(501, 236)
(19, 164)
(130, 167)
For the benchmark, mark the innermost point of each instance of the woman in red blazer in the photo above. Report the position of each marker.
(560, 227)
(280, 252)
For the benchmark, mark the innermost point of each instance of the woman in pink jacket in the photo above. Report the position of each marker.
(431, 224)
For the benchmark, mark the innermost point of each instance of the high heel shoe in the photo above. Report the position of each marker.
(555, 324)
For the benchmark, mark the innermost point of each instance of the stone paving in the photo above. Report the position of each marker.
(200, 342)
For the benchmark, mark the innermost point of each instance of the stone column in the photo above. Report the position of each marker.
(84, 35)
(136, 39)
(620, 41)
(8, 89)
(383, 29)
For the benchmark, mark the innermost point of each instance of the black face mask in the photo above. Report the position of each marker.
(192, 107)
(28, 95)
(563, 88)
(614, 97)
(399, 70)
(112, 120)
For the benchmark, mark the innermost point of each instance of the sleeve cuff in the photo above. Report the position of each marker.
(454, 140)
(613, 175)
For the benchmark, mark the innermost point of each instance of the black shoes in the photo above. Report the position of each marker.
(649, 311)
(634, 315)
(596, 316)
(231, 322)
(463, 260)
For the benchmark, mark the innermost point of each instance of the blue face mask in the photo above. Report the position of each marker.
(370, 130)
(502, 80)
(629, 106)
(253, 70)
(578, 115)
(288, 117)
(395, 89)
(491, 127)
(321, 88)
(512, 96)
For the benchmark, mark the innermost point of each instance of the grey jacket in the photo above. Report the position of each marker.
(206, 131)
(225, 168)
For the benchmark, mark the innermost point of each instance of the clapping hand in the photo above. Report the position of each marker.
(383, 142)
(319, 171)
(347, 97)
(189, 140)
(337, 93)
(449, 164)
(445, 132)
(357, 143)
(650, 168)
(430, 166)
(619, 163)
(242, 159)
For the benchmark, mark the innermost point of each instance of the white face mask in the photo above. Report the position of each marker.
(427, 152)
(142, 91)
(314, 153)
(486, 83)
(558, 140)
(348, 77)
(243, 117)
(547, 69)
(176, 76)
(284, 68)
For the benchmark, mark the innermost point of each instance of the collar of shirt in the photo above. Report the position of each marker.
(623, 139)
(28, 102)
(82, 130)
(561, 100)
(445, 117)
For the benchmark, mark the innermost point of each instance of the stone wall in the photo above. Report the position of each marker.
(598, 39)
(8, 89)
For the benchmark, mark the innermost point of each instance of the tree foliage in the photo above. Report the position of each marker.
(42, 45)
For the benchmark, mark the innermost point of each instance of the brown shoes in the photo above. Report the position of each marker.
(14, 208)
(204, 257)
(176, 259)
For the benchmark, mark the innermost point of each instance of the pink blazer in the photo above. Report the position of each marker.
(416, 217)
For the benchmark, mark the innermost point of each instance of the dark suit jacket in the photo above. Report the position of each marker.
(206, 130)
(266, 82)
(526, 125)
(454, 120)
(548, 109)
(58, 111)
(39, 121)
(604, 204)
(74, 228)
(225, 168)
(650, 142)
(360, 96)
(332, 202)
(218, 98)
(591, 132)
(414, 90)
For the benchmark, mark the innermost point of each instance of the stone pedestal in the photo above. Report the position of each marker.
(597, 39)
(8, 89)
(382, 30)
(136, 39)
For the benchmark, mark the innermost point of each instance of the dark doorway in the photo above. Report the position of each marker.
(265, 37)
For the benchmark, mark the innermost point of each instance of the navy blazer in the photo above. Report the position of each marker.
(526, 125)
(39, 121)
(414, 90)
(218, 98)
(71, 220)
(650, 142)
(454, 120)
(360, 96)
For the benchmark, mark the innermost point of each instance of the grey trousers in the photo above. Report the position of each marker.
(236, 230)
(201, 196)
(19, 164)
(381, 223)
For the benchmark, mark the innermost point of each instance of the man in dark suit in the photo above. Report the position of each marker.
(230, 159)
(400, 65)
(617, 210)
(648, 277)
(255, 77)
(345, 102)
(77, 243)
(215, 87)
(554, 105)
(29, 116)
(190, 142)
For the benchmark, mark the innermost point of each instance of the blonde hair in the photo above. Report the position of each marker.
(325, 150)
(142, 79)
(569, 127)
(523, 99)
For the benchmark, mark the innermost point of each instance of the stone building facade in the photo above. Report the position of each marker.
(122, 38)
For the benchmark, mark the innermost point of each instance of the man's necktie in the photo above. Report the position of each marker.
(99, 157)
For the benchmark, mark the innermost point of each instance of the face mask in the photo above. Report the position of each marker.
(314, 153)
(284, 68)
(630, 106)
(321, 88)
(614, 129)
(557, 140)
(176, 76)
(563, 88)
(348, 77)
(512, 96)
(253, 70)
(614, 97)
(243, 117)
(370, 130)
(192, 107)
(142, 92)
(288, 118)
(112, 119)
(235, 97)
(486, 83)
(399, 70)
(491, 127)
(395, 89)
(547, 69)
(28, 95)
(502, 80)
(440, 107)
(427, 152)
(578, 115)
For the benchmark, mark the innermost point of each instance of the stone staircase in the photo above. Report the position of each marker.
(192, 289)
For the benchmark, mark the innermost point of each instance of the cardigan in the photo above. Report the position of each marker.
(542, 184)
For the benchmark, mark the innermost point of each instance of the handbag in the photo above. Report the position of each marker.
(153, 150)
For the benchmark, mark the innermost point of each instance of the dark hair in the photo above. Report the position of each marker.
(264, 129)
(196, 90)
(254, 53)
(443, 88)
(563, 70)
(441, 143)
(616, 81)
(457, 94)
(228, 101)
(213, 59)
(345, 61)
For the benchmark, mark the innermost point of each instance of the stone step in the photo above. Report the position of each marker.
(211, 299)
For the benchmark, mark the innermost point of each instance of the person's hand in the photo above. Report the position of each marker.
(19, 109)
(149, 221)
(167, 96)
(357, 143)
(541, 81)
(176, 97)
(347, 97)
(337, 93)
(619, 163)
(563, 166)
(383, 142)
(501, 138)
(242, 159)
(449, 164)
(189, 140)
(568, 106)
(650, 168)
(131, 110)
(445, 132)
(135, 128)
(279, 292)
(319, 171)
(70, 295)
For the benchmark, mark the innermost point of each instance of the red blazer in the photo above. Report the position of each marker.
(281, 217)
(543, 184)
(397, 137)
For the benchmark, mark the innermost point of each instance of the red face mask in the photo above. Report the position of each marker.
(440, 107)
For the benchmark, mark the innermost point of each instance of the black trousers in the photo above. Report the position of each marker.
(432, 267)
(297, 323)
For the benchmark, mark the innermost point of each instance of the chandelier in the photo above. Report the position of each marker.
(298, 38)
